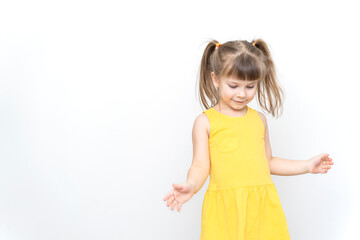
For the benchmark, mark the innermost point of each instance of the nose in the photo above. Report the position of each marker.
(241, 94)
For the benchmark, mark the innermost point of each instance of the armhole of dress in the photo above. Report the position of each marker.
(261, 121)
(208, 117)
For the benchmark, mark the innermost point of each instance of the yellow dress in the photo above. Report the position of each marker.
(241, 201)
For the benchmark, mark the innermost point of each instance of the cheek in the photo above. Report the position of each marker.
(252, 92)
(233, 92)
(229, 92)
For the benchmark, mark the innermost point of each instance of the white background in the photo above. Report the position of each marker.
(98, 100)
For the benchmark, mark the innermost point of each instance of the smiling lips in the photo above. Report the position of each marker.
(239, 101)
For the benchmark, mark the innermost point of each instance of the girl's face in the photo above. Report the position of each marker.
(236, 94)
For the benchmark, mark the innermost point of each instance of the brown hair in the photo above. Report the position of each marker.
(244, 61)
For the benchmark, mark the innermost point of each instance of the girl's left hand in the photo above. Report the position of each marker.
(320, 163)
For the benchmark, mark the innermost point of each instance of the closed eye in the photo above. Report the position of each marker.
(236, 86)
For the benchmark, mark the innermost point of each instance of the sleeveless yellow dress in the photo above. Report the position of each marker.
(241, 201)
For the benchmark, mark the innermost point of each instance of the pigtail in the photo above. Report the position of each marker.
(270, 84)
(206, 87)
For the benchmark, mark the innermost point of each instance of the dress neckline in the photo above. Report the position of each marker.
(230, 117)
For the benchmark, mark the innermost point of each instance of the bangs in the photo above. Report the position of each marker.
(244, 67)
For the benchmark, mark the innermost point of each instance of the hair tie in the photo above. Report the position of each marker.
(253, 44)
(218, 45)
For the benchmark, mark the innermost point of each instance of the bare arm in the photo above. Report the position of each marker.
(285, 167)
(200, 167)
(317, 164)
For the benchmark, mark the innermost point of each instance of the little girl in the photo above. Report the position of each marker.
(231, 143)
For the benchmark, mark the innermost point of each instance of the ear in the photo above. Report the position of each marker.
(214, 80)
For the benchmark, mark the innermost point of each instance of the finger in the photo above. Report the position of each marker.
(173, 205)
(178, 207)
(171, 193)
(167, 196)
(170, 200)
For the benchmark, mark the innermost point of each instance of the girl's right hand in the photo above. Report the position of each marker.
(180, 194)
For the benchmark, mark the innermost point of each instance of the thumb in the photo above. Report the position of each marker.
(178, 186)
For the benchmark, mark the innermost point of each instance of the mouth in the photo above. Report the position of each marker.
(239, 101)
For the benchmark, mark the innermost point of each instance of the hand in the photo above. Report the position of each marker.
(179, 195)
(320, 163)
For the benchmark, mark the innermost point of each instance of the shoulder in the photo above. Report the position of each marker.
(202, 123)
(263, 118)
